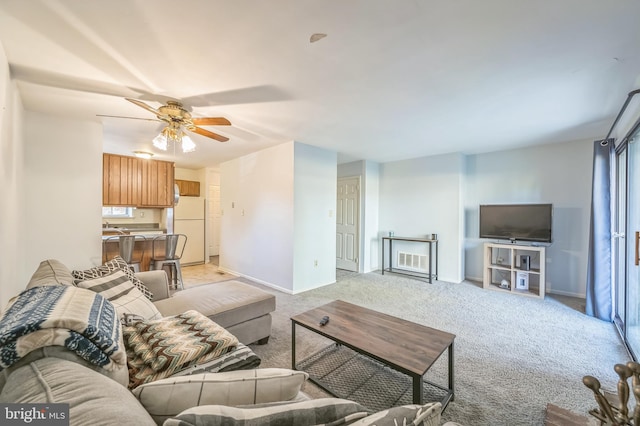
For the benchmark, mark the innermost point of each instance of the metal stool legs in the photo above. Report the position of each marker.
(176, 271)
(126, 245)
(167, 251)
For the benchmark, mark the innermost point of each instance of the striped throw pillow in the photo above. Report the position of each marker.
(321, 411)
(117, 263)
(124, 296)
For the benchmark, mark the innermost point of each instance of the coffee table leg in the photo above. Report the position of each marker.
(293, 345)
(417, 390)
(451, 371)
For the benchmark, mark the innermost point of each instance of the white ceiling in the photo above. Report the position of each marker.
(392, 79)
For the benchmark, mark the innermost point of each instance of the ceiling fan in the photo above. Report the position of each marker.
(176, 115)
(178, 120)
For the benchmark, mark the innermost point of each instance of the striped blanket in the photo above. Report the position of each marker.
(81, 320)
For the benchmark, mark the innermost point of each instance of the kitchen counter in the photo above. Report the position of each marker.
(132, 229)
(146, 234)
(142, 249)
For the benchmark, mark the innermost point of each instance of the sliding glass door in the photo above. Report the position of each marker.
(626, 239)
(619, 240)
(632, 235)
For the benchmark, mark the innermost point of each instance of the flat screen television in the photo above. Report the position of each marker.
(516, 222)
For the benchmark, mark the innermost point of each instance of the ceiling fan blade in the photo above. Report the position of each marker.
(131, 118)
(211, 121)
(143, 105)
(208, 134)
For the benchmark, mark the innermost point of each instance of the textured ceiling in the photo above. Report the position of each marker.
(390, 81)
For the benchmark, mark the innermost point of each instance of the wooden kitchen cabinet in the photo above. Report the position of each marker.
(135, 182)
(188, 188)
(157, 183)
(120, 180)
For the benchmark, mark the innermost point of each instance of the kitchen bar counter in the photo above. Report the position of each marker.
(132, 228)
(142, 248)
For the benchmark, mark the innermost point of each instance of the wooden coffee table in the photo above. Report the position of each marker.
(405, 346)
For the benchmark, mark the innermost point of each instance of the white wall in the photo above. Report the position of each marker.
(423, 196)
(257, 226)
(314, 247)
(63, 177)
(371, 241)
(12, 223)
(559, 174)
(275, 222)
(212, 178)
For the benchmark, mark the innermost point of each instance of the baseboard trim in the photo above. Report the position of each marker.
(567, 293)
(259, 281)
(548, 291)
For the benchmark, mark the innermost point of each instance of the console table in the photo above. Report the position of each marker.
(430, 242)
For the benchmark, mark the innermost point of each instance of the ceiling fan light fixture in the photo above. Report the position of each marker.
(174, 134)
(143, 154)
(160, 141)
(187, 144)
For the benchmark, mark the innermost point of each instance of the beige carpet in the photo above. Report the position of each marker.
(513, 355)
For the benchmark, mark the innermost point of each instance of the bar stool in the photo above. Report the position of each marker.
(126, 244)
(167, 250)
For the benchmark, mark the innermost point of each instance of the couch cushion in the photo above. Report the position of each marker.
(227, 303)
(169, 397)
(51, 272)
(124, 296)
(108, 267)
(418, 415)
(120, 374)
(93, 398)
(313, 412)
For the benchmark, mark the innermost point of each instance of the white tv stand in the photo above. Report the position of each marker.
(502, 262)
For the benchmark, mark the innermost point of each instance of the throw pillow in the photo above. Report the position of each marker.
(110, 266)
(126, 298)
(417, 415)
(51, 272)
(168, 397)
(156, 349)
(324, 411)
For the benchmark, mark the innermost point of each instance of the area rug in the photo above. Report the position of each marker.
(347, 374)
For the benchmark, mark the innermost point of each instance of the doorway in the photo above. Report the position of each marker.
(348, 224)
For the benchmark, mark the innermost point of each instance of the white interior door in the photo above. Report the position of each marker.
(347, 223)
(214, 220)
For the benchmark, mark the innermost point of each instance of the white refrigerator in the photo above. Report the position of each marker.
(188, 219)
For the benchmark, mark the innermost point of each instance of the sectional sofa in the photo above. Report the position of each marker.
(227, 389)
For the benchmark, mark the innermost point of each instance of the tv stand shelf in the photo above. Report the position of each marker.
(503, 261)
